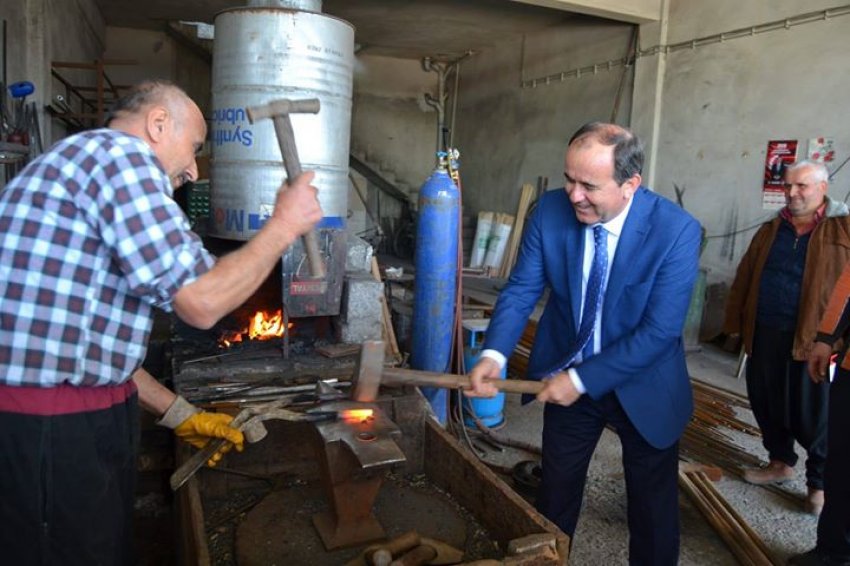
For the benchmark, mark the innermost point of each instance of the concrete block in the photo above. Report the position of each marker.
(360, 314)
(358, 257)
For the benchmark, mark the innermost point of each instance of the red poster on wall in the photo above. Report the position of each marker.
(780, 154)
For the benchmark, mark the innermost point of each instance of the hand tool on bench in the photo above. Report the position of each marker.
(250, 422)
(382, 553)
(408, 548)
(429, 551)
(370, 374)
(416, 556)
(279, 111)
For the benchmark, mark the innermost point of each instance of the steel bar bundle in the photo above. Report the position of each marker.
(705, 441)
(744, 543)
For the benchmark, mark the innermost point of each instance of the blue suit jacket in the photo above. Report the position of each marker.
(642, 359)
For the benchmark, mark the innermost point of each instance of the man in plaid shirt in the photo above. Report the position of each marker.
(91, 241)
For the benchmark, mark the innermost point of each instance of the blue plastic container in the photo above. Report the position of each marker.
(435, 286)
(490, 411)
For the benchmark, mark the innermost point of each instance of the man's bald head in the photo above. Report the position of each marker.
(163, 115)
(146, 94)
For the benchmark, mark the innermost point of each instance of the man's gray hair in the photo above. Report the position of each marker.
(819, 171)
(145, 94)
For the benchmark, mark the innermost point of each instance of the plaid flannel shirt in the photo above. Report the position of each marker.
(90, 241)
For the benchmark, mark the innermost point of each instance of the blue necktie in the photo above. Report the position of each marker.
(593, 293)
(592, 300)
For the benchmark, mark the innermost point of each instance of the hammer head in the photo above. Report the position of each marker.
(282, 107)
(367, 373)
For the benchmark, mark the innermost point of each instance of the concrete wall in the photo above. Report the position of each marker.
(158, 57)
(390, 123)
(722, 102)
(509, 134)
(42, 31)
(395, 132)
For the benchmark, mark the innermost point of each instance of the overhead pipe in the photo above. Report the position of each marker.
(439, 102)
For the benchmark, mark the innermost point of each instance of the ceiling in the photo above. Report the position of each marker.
(443, 29)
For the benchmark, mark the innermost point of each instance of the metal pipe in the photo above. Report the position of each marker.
(454, 103)
(437, 103)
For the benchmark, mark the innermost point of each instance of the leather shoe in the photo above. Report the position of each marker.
(775, 472)
(814, 502)
(815, 558)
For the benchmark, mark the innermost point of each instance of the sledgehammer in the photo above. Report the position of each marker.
(279, 111)
(370, 374)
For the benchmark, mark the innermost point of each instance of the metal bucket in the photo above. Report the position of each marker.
(259, 55)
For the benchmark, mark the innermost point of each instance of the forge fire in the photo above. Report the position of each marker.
(264, 325)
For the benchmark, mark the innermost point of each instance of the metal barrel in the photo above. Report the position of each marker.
(309, 5)
(436, 282)
(262, 54)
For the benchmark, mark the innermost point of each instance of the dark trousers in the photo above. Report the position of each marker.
(787, 405)
(570, 436)
(67, 487)
(834, 522)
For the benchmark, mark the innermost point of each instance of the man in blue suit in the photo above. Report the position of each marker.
(620, 264)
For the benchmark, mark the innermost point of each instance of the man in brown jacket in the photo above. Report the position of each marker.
(778, 297)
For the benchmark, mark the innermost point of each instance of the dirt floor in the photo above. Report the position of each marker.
(279, 529)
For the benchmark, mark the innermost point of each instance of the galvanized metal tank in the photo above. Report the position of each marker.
(262, 53)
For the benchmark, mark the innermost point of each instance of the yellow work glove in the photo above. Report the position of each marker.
(198, 427)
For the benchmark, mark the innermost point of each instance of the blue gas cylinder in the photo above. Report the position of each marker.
(435, 286)
(490, 410)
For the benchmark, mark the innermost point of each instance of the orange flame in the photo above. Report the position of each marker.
(356, 415)
(263, 326)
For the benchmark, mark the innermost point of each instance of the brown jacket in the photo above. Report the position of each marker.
(828, 252)
(834, 323)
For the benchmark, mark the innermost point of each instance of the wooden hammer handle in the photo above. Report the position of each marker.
(417, 556)
(399, 376)
(289, 152)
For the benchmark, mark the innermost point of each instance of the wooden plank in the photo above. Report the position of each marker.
(93, 65)
(338, 350)
(504, 513)
(387, 321)
(192, 539)
(525, 201)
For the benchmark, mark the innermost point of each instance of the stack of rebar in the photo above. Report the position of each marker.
(705, 441)
(744, 543)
